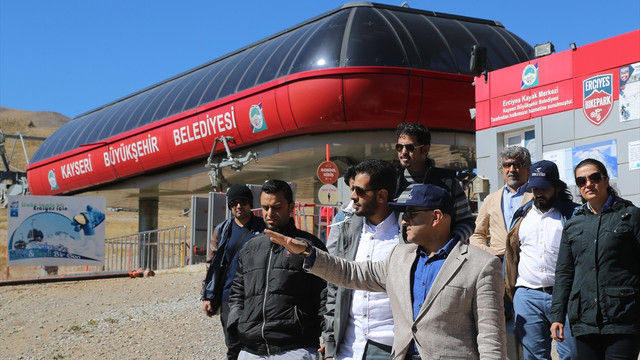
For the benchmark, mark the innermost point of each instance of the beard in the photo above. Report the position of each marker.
(545, 204)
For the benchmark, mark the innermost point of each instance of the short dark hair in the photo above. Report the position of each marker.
(275, 186)
(349, 174)
(419, 131)
(516, 152)
(601, 169)
(382, 175)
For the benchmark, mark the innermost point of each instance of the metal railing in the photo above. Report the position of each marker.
(154, 249)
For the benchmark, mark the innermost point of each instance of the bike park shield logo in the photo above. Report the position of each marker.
(529, 76)
(597, 98)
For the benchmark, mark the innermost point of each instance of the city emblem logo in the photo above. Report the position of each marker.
(256, 117)
(53, 182)
(529, 76)
(597, 98)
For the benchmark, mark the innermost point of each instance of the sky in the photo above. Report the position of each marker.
(72, 56)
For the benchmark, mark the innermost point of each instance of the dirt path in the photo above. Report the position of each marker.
(142, 318)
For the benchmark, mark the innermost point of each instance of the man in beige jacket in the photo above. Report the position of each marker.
(446, 296)
(496, 212)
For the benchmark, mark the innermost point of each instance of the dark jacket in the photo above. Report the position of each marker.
(598, 271)
(512, 248)
(275, 305)
(223, 259)
(464, 221)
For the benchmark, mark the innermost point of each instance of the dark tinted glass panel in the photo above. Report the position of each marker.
(123, 110)
(162, 109)
(372, 41)
(205, 74)
(214, 84)
(135, 103)
(285, 67)
(523, 50)
(145, 118)
(499, 53)
(408, 44)
(105, 121)
(82, 137)
(271, 67)
(432, 49)
(459, 41)
(130, 122)
(181, 99)
(263, 52)
(47, 148)
(235, 74)
(322, 49)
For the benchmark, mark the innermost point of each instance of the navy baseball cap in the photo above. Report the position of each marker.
(543, 175)
(428, 196)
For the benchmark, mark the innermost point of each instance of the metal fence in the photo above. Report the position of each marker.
(154, 249)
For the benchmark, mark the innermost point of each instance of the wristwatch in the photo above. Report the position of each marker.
(307, 250)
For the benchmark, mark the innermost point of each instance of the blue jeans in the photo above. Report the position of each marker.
(533, 326)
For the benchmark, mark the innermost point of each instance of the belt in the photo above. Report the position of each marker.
(548, 289)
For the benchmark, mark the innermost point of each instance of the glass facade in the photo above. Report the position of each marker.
(357, 34)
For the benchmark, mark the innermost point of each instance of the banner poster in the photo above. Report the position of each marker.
(56, 230)
(629, 99)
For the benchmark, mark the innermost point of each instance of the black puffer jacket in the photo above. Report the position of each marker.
(275, 305)
(598, 271)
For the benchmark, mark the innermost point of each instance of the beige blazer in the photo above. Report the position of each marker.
(463, 314)
(491, 219)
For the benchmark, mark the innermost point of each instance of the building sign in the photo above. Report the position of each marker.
(542, 100)
(56, 230)
(566, 159)
(597, 98)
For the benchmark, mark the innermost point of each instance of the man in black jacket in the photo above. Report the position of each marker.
(275, 306)
(227, 239)
(413, 145)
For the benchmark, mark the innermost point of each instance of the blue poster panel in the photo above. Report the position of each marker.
(56, 230)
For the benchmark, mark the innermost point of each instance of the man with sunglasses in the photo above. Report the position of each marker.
(413, 145)
(494, 219)
(359, 324)
(445, 295)
(530, 261)
(227, 239)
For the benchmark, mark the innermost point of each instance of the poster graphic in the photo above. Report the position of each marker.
(597, 98)
(629, 100)
(56, 230)
(604, 151)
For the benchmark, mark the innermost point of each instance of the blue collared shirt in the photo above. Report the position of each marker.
(425, 269)
(511, 202)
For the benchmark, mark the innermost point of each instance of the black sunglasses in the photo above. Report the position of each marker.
(409, 147)
(360, 191)
(235, 203)
(508, 164)
(409, 214)
(595, 178)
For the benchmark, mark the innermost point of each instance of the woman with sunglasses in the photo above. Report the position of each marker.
(598, 271)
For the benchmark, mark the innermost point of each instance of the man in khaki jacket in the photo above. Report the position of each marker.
(496, 212)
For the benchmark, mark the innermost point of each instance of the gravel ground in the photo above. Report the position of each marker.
(157, 317)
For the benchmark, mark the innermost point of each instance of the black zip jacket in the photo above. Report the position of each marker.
(275, 305)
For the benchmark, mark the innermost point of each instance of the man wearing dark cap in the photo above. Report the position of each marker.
(530, 261)
(446, 296)
(228, 237)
